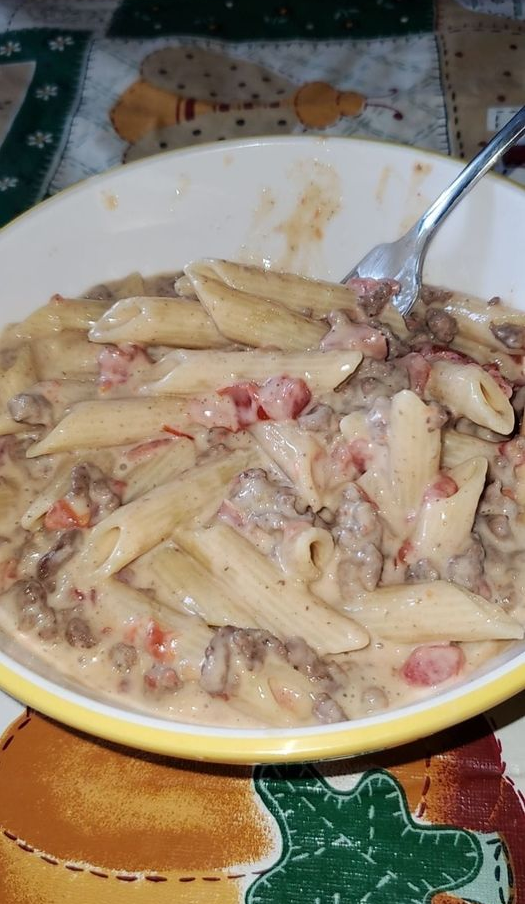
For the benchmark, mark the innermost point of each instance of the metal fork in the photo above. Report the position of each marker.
(403, 260)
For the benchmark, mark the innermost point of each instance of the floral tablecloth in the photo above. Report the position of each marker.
(84, 85)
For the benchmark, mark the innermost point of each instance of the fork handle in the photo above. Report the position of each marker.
(468, 177)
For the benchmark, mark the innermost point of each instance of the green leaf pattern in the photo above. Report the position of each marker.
(356, 847)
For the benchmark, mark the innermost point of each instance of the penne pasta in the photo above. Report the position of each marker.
(467, 389)
(297, 293)
(433, 612)
(397, 480)
(157, 321)
(275, 693)
(18, 372)
(460, 447)
(294, 292)
(137, 527)
(479, 322)
(295, 452)
(255, 321)
(68, 355)
(305, 550)
(189, 635)
(184, 372)
(113, 422)
(190, 587)
(355, 426)
(184, 287)
(510, 366)
(414, 451)
(55, 489)
(443, 526)
(58, 315)
(10, 504)
(130, 286)
(161, 465)
(222, 551)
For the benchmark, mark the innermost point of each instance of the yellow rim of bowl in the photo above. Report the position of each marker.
(351, 741)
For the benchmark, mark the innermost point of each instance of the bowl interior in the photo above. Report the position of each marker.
(309, 205)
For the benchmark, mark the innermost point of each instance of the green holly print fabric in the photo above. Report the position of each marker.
(252, 20)
(357, 847)
(41, 73)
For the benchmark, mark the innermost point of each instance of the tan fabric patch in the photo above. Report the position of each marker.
(89, 801)
(483, 68)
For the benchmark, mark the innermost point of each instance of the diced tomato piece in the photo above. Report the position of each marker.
(418, 371)
(61, 516)
(143, 450)
(283, 398)
(159, 643)
(513, 451)
(359, 452)
(231, 515)
(443, 487)
(117, 363)
(442, 353)
(130, 634)
(174, 432)
(432, 664)
(342, 462)
(245, 397)
(8, 573)
(404, 551)
(117, 486)
(277, 399)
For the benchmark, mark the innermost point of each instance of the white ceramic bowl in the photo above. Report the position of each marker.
(307, 204)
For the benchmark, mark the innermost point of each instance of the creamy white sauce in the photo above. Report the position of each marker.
(139, 641)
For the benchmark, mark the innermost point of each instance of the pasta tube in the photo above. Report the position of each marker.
(435, 611)
(256, 321)
(460, 447)
(111, 422)
(176, 456)
(294, 451)
(131, 285)
(475, 319)
(66, 355)
(414, 450)
(158, 321)
(467, 389)
(443, 526)
(305, 550)
(397, 481)
(59, 314)
(137, 527)
(284, 607)
(297, 293)
(15, 377)
(191, 587)
(183, 372)
(127, 606)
